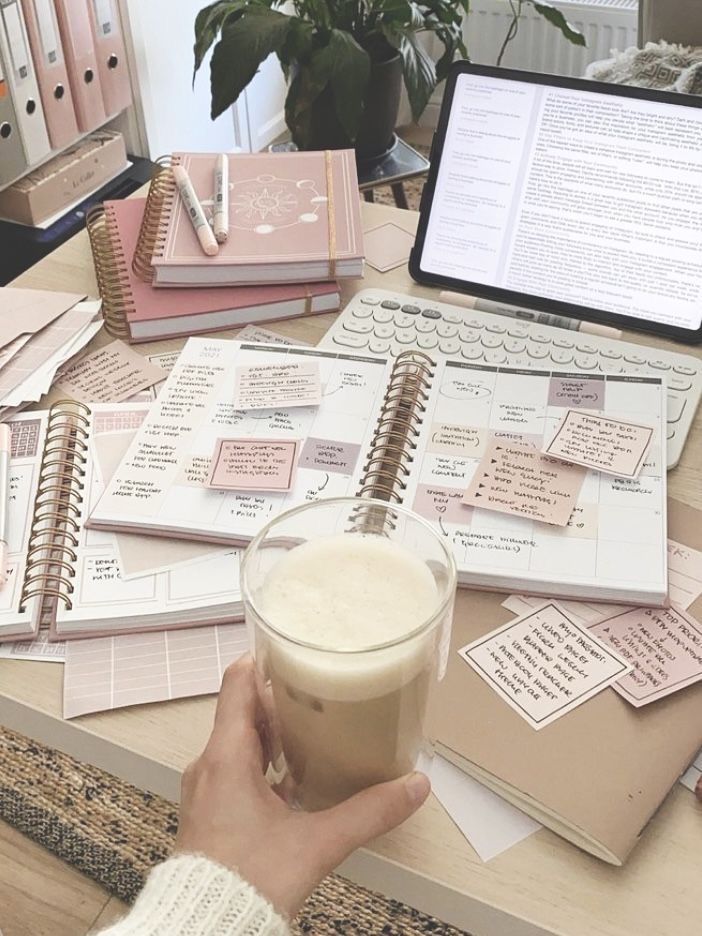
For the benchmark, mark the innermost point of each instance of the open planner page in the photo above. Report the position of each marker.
(102, 602)
(160, 485)
(28, 432)
(614, 546)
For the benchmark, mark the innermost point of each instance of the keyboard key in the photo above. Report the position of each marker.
(518, 332)
(446, 330)
(375, 346)
(671, 432)
(612, 367)
(424, 326)
(561, 356)
(410, 309)
(538, 351)
(455, 318)
(390, 304)
(472, 352)
(426, 342)
(586, 361)
(496, 329)
(475, 322)
(406, 336)
(563, 343)
(491, 341)
(450, 346)
(384, 331)
(683, 369)
(586, 349)
(675, 407)
(469, 335)
(431, 314)
(634, 359)
(360, 328)
(496, 356)
(540, 337)
(404, 321)
(369, 300)
(350, 341)
(679, 383)
(363, 312)
(660, 364)
(609, 354)
(383, 315)
(514, 346)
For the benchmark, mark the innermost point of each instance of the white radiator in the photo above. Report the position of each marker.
(539, 46)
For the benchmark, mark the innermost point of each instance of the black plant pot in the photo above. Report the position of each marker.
(376, 135)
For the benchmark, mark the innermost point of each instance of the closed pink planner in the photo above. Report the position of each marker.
(135, 310)
(111, 57)
(81, 62)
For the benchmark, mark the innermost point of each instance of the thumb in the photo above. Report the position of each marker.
(368, 814)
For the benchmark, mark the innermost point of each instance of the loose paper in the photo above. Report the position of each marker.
(268, 386)
(109, 375)
(609, 445)
(684, 574)
(518, 479)
(254, 464)
(693, 774)
(490, 823)
(256, 334)
(387, 246)
(664, 645)
(544, 664)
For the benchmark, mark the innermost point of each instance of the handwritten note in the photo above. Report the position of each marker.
(265, 386)
(110, 375)
(544, 664)
(258, 335)
(664, 645)
(254, 464)
(517, 479)
(609, 445)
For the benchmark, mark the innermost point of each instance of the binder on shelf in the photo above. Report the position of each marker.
(52, 77)
(81, 62)
(13, 161)
(18, 68)
(111, 56)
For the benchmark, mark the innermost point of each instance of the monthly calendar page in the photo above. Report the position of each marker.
(614, 545)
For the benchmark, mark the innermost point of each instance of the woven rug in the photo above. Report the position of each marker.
(114, 833)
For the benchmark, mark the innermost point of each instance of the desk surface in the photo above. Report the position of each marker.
(541, 886)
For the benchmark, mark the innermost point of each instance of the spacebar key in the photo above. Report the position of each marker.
(351, 341)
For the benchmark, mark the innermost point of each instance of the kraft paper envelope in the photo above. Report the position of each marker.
(595, 776)
(27, 311)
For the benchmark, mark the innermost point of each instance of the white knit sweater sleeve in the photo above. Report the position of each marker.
(192, 896)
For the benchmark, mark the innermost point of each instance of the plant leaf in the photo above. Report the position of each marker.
(346, 66)
(418, 70)
(245, 43)
(207, 24)
(557, 19)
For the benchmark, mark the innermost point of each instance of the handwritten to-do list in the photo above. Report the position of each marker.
(518, 479)
(254, 464)
(110, 375)
(663, 644)
(610, 445)
(544, 664)
(265, 386)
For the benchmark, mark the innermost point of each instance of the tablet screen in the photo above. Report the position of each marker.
(577, 196)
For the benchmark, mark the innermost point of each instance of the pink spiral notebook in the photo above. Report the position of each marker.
(135, 310)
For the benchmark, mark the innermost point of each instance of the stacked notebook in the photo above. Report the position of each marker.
(135, 310)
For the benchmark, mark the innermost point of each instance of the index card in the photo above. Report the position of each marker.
(254, 464)
(545, 663)
(109, 375)
(664, 645)
(610, 445)
(279, 386)
(518, 479)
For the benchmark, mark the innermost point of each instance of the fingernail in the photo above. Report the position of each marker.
(418, 786)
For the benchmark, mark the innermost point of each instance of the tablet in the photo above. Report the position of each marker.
(568, 196)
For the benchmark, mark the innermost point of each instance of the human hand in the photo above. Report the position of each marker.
(230, 814)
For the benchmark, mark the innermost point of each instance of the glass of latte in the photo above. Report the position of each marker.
(349, 603)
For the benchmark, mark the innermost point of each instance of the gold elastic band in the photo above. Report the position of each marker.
(331, 223)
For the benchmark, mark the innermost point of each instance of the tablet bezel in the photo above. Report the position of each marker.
(539, 303)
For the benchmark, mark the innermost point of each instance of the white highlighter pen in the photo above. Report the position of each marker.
(5, 449)
(194, 211)
(221, 199)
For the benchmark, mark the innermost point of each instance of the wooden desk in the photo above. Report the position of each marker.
(542, 886)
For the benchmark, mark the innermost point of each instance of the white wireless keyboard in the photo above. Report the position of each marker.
(384, 323)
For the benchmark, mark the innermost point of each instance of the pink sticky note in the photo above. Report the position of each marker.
(268, 386)
(664, 645)
(517, 479)
(610, 445)
(254, 464)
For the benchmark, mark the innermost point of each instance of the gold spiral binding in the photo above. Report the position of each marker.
(393, 444)
(110, 271)
(159, 204)
(53, 538)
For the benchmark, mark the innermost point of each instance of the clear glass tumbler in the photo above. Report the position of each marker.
(349, 603)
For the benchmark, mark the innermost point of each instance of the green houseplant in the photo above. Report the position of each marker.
(344, 60)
